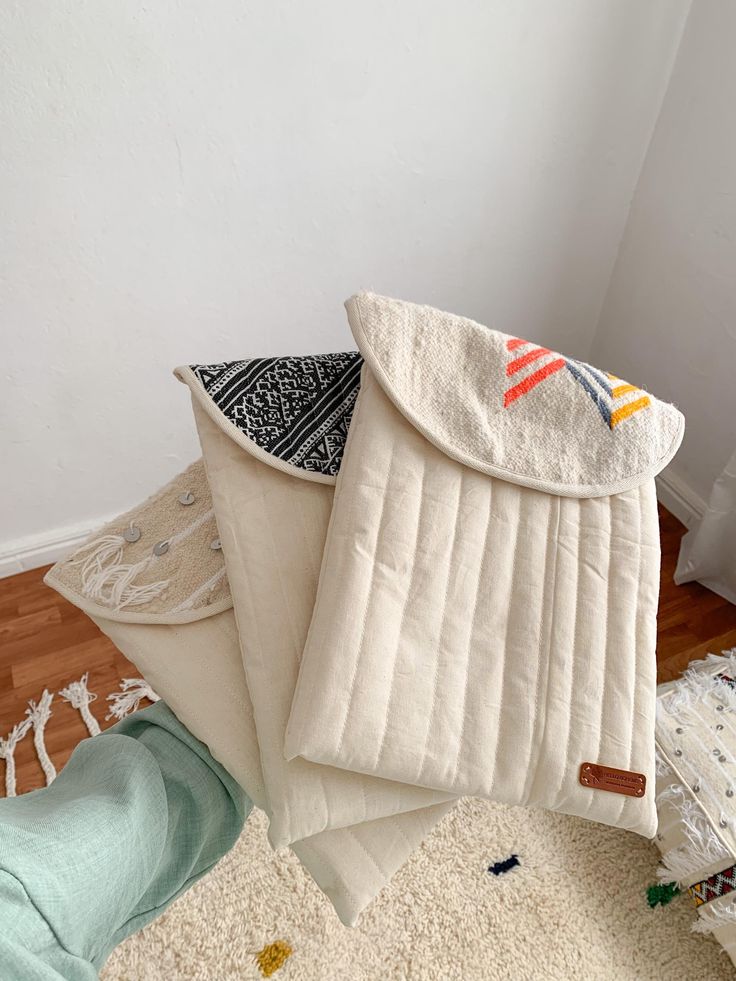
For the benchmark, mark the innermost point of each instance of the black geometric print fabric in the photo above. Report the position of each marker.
(295, 408)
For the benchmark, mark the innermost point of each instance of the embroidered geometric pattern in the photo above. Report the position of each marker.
(716, 885)
(615, 400)
(295, 408)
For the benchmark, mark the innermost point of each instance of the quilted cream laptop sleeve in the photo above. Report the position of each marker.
(485, 622)
(273, 516)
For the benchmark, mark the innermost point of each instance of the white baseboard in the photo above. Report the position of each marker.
(44, 548)
(679, 498)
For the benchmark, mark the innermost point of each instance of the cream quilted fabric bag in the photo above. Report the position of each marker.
(486, 616)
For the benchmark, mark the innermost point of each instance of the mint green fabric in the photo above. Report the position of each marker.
(137, 815)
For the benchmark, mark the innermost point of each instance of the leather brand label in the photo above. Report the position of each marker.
(599, 777)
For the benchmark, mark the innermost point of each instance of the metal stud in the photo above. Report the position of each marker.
(160, 548)
(678, 752)
(729, 792)
(719, 708)
(716, 752)
(215, 544)
(721, 759)
(724, 823)
(679, 730)
(696, 788)
(719, 727)
(132, 533)
(187, 498)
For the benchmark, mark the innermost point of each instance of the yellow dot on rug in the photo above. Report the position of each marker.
(272, 957)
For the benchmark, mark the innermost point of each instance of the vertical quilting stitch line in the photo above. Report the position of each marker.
(308, 552)
(443, 624)
(504, 648)
(368, 603)
(573, 654)
(545, 644)
(605, 689)
(469, 651)
(239, 634)
(284, 767)
(407, 601)
(282, 587)
(306, 686)
(626, 801)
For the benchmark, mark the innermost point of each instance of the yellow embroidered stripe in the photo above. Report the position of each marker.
(628, 410)
(623, 390)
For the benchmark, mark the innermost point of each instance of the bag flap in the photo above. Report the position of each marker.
(161, 562)
(292, 413)
(511, 408)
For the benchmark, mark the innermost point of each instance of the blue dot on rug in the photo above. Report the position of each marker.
(498, 868)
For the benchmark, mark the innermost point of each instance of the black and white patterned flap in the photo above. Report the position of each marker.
(292, 411)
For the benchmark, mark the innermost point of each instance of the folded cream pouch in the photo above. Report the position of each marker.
(485, 622)
(169, 610)
(272, 432)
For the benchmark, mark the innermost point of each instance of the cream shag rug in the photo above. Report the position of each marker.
(574, 907)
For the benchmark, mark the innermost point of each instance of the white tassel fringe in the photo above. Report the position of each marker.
(79, 696)
(123, 702)
(703, 847)
(39, 715)
(110, 581)
(714, 915)
(134, 690)
(7, 753)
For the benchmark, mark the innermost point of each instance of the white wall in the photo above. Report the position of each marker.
(669, 321)
(184, 182)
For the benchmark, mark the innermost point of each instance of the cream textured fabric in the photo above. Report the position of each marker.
(273, 526)
(185, 582)
(477, 635)
(194, 663)
(511, 408)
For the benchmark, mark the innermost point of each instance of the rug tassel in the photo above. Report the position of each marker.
(7, 752)
(134, 690)
(39, 715)
(79, 696)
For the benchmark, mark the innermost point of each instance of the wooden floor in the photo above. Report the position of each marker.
(45, 642)
(692, 620)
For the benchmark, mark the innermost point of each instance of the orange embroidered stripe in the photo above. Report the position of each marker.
(623, 390)
(628, 410)
(537, 352)
(531, 380)
(513, 342)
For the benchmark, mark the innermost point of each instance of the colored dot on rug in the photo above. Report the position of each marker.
(272, 957)
(498, 868)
